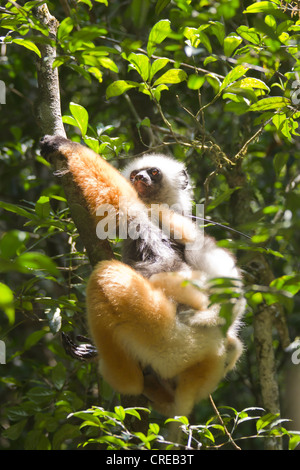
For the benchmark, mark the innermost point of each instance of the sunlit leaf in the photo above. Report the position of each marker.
(265, 421)
(81, 116)
(233, 75)
(250, 82)
(249, 34)
(274, 102)
(141, 63)
(119, 87)
(28, 44)
(158, 33)
(231, 43)
(108, 63)
(290, 283)
(218, 29)
(42, 207)
(12, 242)
(195, 81)
(171, 77)
(32, 261)
(157, 65)
(6, 302)
(263, 7)
(65, 28)
(16, 210)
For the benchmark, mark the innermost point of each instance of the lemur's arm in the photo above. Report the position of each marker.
(99, 182)
(102, 184)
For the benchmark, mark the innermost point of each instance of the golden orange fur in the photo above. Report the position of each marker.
(134, 321)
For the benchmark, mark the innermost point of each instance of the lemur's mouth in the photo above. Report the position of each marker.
(141, 187)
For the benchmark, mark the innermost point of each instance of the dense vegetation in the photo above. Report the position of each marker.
(215, 83)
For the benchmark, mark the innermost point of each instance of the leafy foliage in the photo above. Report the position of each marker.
(215, 83)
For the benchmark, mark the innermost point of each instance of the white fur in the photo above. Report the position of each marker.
(171, 170)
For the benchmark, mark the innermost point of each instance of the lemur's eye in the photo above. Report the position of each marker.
(154, 171)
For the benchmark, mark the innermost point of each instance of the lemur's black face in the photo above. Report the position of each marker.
(147, 181)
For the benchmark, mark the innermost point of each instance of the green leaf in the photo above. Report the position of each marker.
(107, 63)
(12, 243)
(141, 64)
(265, 421)
(249, 34)
(13, 432)
(205, 41)
(224, 196)
(69, 120)
(92, 143)
(65, 28)
(66, 431)
(294, 439)
(59, 375)
(192, 35)
(119, 87)
(40, 395)
(289, 283)
(218, 29)
(262, 7)
(34, 338)
(6, 302)
(250, 82)
(120, 413)
(157, 91)
(36, 440)
(154, 427)
(42, 207)
(139, 11)
(178, 419)
(158, 33)
(233, 75)
(160, 6)
(238, 108)
(195, 81)
(28, 44)
(157, 65)
(81, 117)
(274, 102)
(16, 209)
(145, 122)
(231, 42)
(279, 161)
(97, 73)
(284, 125)
(171, 77)
(33, 261)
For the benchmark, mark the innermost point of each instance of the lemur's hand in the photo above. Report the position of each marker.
(50, 145)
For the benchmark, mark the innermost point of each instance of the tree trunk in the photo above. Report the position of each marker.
(50, 121)
(263, 321)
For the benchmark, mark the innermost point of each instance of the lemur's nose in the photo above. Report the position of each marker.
(143, 176)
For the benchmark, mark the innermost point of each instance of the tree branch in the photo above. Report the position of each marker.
(50, 121)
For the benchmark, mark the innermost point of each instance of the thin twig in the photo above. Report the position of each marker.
(223, 424)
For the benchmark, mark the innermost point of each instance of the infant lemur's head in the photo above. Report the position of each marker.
(160, 180)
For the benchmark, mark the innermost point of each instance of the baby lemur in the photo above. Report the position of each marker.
(133, 309)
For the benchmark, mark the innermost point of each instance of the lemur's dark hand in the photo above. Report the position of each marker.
(50, 145)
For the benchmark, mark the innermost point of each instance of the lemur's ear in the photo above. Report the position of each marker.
(184, 179)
